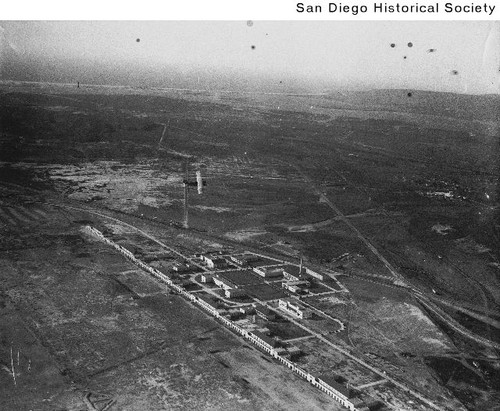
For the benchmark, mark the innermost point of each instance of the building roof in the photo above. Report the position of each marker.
(294, 350)
(216, 259)
(270, 270)
(358, 402)
(241, 277)
(293, 303)
(294, 270)
(264, 310)
(335, 385)
(248, 257)
(298, 283)
(209, 300)
(268, 340)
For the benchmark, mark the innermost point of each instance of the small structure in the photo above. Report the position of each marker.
(223, 283)
(234, 292)
(240, 278)
(342, 393)
(282, 352)
(293, 351)
(265, 313)
(266, 340)
(359, 404)
(315, 274)
(294, 308)
(181, 267)
(235, 315)
(292, 288)
(249, 309)
(207, 278)
(165, 270)
(209, 301)
(293, 273)
(215, 262)
(245, 259)
(269, 272)
(296, 286)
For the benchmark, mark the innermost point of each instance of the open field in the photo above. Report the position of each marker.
(84, 319)
(417, 179)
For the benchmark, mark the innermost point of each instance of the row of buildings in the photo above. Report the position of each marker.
(341, 394)
(235, 272)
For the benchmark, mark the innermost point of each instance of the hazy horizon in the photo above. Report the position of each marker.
(458, 57)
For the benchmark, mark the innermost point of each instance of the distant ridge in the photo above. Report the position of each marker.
(466, 106)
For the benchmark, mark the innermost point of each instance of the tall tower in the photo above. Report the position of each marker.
(199, 183)
(186, 214)
(186, 195)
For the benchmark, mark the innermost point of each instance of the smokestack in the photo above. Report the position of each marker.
(186, 216)
(199, 182)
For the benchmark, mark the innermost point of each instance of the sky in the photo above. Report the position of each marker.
(454, 56)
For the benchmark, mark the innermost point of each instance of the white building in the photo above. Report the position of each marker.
(233, 292)
(207, 278)
(294, 308)
(269, 272)
(214, 262)
(244, 259)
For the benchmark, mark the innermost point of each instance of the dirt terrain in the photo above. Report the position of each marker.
(418, 178)
(75, 324)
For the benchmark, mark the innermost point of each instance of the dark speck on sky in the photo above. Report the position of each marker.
(404, 57)
(454, 72)
(292, 48)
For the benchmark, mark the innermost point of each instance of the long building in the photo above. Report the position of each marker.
(353, 404)
(294, 308)
(269, 272)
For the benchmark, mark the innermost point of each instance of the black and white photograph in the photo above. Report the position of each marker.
(249, 215)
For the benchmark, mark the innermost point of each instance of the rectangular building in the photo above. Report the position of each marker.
(293, 351)
(265, 313)
(266, 340)
(240, 278)
(223, 283)
(294, 308)
(244, 259)
(207, 278)
(180, 267)
(234, 292)
(215, 262)
(269, 272)
(315, 274)
(293, 272)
